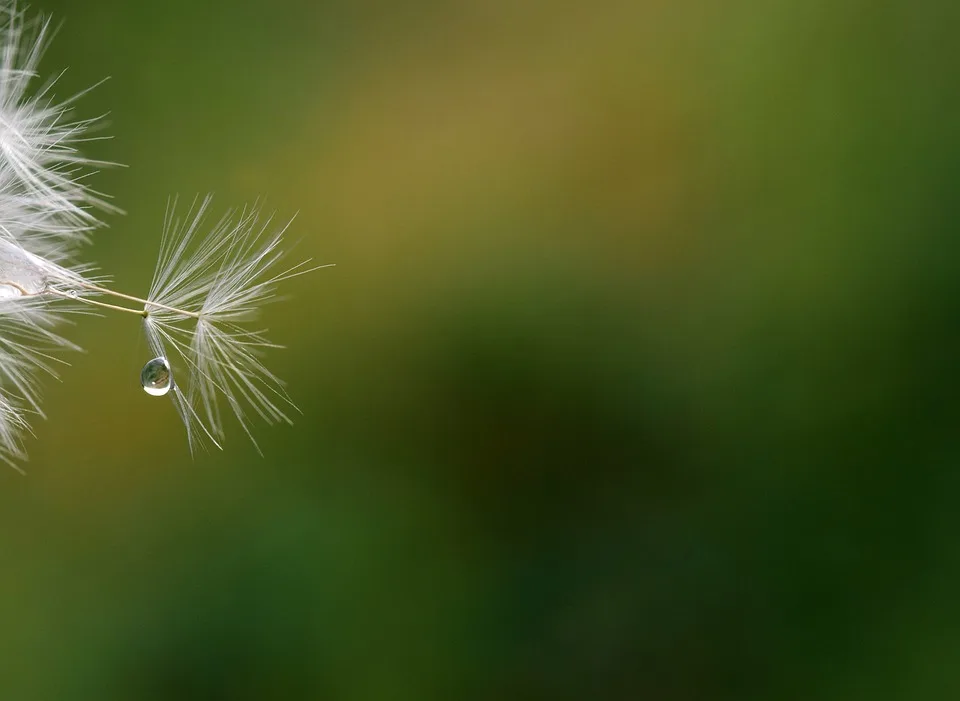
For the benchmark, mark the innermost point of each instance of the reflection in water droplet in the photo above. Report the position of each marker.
(72, 293)
(8, 291)
(155, 378)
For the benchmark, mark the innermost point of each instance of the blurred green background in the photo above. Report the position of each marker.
(633, 379)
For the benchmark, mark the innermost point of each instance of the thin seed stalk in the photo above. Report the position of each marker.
(105, 305)
(103, 290)
(145, 302)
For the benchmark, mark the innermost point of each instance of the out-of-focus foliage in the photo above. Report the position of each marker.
(634, 379)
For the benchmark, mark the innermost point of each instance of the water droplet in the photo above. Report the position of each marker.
(72, 293)
(155, 378)
(9, 291)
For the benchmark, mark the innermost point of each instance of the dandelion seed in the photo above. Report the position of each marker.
(205, 291)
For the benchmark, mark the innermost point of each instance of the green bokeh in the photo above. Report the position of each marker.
(633, 379)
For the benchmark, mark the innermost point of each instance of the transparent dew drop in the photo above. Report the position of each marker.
(155, 378)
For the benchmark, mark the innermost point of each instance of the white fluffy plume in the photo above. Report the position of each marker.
(45, 211)
(47, 204)
(205, 291)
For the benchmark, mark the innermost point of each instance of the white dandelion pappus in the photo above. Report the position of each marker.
(205, 290)
(27, 344)
(42, 172)
(44, 213)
